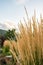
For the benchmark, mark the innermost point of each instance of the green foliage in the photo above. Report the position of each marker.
(6, 50)
(10, 34)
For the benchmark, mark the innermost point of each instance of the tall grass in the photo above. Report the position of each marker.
(28, 50)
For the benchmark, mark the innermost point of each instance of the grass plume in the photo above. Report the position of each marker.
(29, 45)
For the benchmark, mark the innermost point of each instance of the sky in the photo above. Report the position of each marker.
(12, 11)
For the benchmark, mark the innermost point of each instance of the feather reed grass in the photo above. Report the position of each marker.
(29, 45)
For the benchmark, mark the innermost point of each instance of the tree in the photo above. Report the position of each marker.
(10, 34)
(2, 39)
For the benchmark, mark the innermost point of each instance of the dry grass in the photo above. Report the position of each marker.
(29, 45)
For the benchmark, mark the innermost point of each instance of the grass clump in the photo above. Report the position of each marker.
(29, 45)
